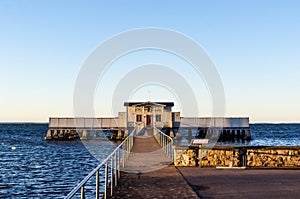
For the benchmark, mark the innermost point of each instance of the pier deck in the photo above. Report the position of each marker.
(163, 180)
(167, 181)
(249, 183)
(149, 173)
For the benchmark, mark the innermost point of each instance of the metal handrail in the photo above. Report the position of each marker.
(165, 141)
(115, 159)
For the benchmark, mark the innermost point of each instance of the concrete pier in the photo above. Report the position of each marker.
(151, 114)
(163, 182)
(197, 182)
(151, 166)
(192, 182)
(252, 183)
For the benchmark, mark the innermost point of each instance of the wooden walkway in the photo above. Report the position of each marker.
(150, 175)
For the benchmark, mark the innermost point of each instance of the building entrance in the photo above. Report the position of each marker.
(148, 120)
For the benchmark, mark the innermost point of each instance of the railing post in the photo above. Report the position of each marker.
(105, 180)
(97, 184)
(165, 141)
(167, 148)
(123, 158)
(130, 144)
(164, 145)
(115, 159)
(115, 169)
(127, 150)
(111, 176)
(82, 195)
(119, 173)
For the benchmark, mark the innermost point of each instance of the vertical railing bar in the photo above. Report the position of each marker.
(165, 141)
(115, 169)
(123, 157)
(127, 150)
(115, 158)
(165, 144)
(119, 164)
(168, 149)
(82, 195)
(111, 176)
(105, 180)
(97, 184)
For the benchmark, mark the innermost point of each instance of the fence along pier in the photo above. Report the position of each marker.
(124, 158)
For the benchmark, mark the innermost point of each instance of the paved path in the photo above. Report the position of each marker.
(250, 183)
(157, 180)
(147, 155)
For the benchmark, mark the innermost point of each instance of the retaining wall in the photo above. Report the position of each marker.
(222, 156)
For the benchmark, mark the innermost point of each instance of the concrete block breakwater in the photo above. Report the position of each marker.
(229, 156)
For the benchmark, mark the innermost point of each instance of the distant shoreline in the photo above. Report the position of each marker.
(259, 123)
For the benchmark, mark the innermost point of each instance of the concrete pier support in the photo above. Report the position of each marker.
(126, 133)
(232, 136)
(49, 135)
(210, 133)
(178, 133)
(172, 133)
(119, 134)
(238, 134)
(76, 135)
(96, 134)
(201, 133)
(247, 135)
(228, 135)
(61, 134)
(243, 136)
(71, 134)
(85, 135)
(55, 134)
(224, 135)
(79, 132)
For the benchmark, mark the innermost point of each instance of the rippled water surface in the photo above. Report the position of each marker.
(271, 135)
(31, 167)
(275, 135)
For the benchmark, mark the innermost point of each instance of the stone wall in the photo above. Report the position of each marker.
(215, 158)
(185, 156)
(273, 158)
(223, 156)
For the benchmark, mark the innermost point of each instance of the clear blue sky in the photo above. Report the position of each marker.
(254, 44)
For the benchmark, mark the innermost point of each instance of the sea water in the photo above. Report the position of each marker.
(31, 167)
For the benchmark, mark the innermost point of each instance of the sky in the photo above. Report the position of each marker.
(253, 44)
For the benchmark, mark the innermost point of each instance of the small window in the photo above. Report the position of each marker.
(158, 118)
(139, 118)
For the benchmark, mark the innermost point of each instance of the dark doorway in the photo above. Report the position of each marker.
(148, 120)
